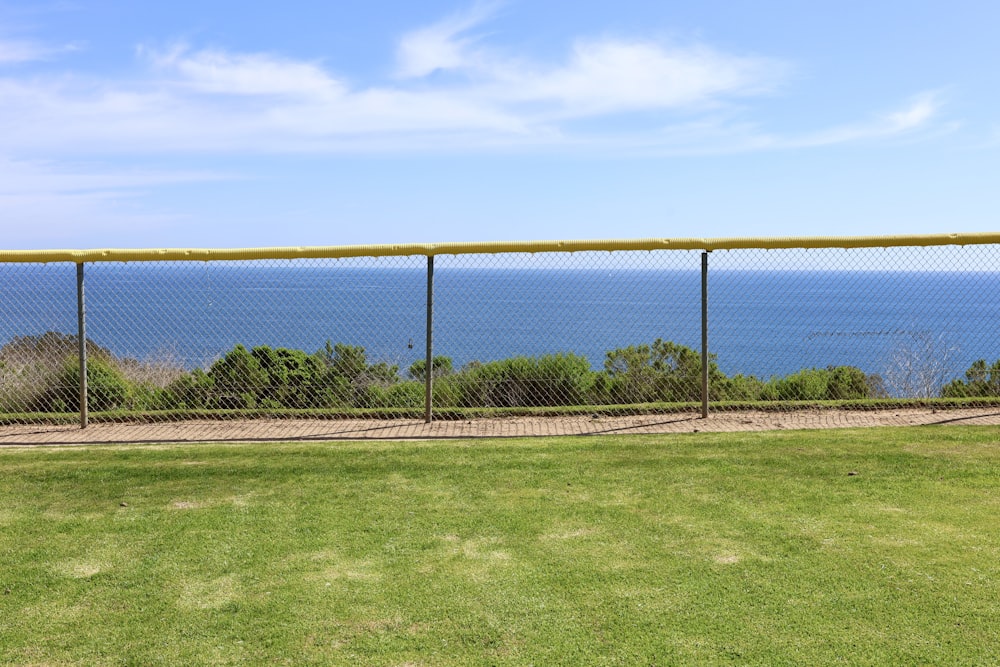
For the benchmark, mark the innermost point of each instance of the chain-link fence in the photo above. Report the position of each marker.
(345, 343)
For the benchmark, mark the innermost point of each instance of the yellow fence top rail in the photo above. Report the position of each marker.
(491, 247)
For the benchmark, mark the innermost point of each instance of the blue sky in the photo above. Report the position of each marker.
(226, 124)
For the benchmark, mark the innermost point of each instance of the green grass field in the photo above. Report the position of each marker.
(877, 546)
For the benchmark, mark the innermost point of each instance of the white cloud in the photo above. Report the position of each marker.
(214, 71)
(74, 219)
(212, 100)
(615, 76)
(918, 114)
(923, 108)
(23, 51)
(43, 203)
(441, 46)
(599, 76)
(17, 52)
(643, 93)
(723, 133)
(27, 176)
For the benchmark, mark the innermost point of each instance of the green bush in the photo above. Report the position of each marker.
(237, 378)
(442, 366)
(401, 395)
(346, 361)
(33, 371)
(663, 371)
(980, 381)
(191, 391)
(847, 382)
(553, 379)
(39, 373)
(347, 378)
(821, 384)
(808, 384)
(737, 388)
(107, 389)
(333, 391)
(292, 377)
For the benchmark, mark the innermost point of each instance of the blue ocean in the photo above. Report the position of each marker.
(763, 323)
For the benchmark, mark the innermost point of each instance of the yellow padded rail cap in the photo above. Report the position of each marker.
(490, 247)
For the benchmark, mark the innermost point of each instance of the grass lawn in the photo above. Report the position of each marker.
(877, 546)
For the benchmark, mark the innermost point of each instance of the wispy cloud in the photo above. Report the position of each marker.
(214, 71)
(50, 204)
(917, 114)
(44, 176)
(603, 77)
(450, 91)
(723, 133)
(444, 45)
(598, 76)
(15, 51)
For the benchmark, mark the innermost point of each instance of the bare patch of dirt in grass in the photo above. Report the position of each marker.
(570, 534)
(197, 594)
(80, 569)
(332, 566)
(185, 505)
(727, 559)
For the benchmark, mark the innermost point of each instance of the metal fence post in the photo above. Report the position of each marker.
(704, 335)
(429, 364)
(81, 315)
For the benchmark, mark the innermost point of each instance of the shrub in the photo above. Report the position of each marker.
(820, 384)
(347, 361)
(292, 377)
(441, 366)
(554, 379)
(340, 376)
(107, 389)
(51, 350)
(737, 388)
(33, 367)
(21, 386)
(847, 382)
(401, 395)
(663, 371)
(191, 391)
(333, 391)
(348, 378)
(808, 384)
(382, 374)
(980, 381)
(236, 378)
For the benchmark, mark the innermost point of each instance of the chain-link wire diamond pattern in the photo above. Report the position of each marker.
(590, 334)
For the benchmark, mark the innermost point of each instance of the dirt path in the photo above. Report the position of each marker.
(292, 429)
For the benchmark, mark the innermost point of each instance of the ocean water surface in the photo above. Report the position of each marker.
(760, 322)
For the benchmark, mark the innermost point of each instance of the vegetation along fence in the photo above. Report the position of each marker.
(461, 331)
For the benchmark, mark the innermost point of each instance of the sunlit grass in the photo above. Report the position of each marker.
(877, 546)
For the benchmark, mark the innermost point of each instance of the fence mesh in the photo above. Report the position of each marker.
(331, 347)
